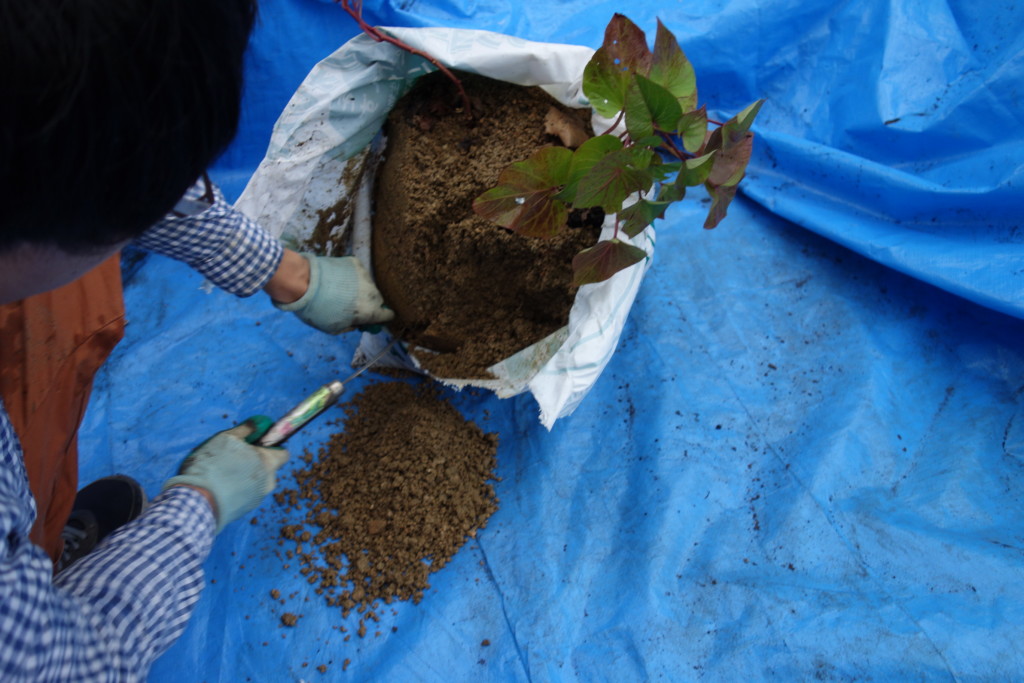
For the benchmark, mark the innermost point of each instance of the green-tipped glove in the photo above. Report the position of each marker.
(236, 473)
(341, 296)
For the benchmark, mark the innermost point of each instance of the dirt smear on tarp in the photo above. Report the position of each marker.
(392, 498)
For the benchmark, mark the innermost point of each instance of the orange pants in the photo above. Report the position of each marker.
(51, 346)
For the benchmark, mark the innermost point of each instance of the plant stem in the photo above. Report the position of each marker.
(355, 10)
(673, 150)
(615, 123)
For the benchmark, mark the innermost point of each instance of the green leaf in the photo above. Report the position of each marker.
(720, 199)
(672, 70)
(639, 119)
(648, 105)
(693, 128)
(662, 170)
(584, 159)
(673, 192)
(607, 75)
(691, 172)
(616, 176)
(649, 141)
(696, 171)
(603, 260)
(663, 106)
(641, 157)
(746, 117)
(524, 198)
(604, 84)
(636, 217)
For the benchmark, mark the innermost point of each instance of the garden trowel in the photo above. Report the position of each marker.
(314, 404)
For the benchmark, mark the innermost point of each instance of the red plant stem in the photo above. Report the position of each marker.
(717, 123)
(356, 13)
(673, 150)
(615, 123)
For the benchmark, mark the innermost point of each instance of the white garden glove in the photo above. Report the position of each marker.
(237, 474)
(341, 296)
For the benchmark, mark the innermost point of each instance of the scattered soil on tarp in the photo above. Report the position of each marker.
(391, 498)
(459, 284)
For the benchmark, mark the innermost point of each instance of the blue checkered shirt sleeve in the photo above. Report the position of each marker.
(114, 611)
(222, 244)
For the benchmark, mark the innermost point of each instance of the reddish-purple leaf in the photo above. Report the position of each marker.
(734, 143)
(524, 200)
(720, 198)
(535, 214)
(608, 73)
(627, 45)
(603, 260)
(731, 161)
(541, 215)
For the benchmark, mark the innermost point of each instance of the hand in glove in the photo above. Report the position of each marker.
(236, 473)
(341, 295)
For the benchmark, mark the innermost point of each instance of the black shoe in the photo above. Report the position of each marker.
(101, 507)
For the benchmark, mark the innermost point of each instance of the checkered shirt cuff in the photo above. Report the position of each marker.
(221, 243)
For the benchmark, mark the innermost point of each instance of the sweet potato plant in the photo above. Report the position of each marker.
(668, 145)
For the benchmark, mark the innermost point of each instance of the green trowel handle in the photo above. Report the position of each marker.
(261, 424)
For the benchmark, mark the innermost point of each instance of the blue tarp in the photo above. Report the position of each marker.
(806, 458)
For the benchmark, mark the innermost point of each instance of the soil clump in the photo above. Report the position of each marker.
(460, 285)
(391, 498)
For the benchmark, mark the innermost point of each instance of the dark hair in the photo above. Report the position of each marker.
(110, 110)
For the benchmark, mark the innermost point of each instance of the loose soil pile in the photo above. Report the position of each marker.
(394, 496)
(458, 283)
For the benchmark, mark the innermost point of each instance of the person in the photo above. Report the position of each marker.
(112, 111)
